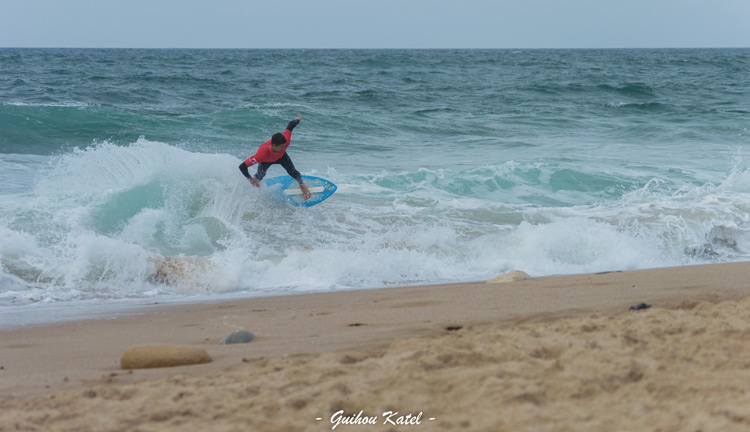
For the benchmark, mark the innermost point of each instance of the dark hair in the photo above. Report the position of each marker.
(277, 139)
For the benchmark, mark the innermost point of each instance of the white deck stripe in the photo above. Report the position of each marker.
(313, 189)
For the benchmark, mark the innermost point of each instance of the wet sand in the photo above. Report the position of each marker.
(555, 353)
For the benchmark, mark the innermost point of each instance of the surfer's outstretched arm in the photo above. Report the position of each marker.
(292, 124)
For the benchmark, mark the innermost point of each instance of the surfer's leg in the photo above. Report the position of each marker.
(262, 167)
(286, 162)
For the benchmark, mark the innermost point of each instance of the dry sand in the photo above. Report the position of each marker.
(547, 354)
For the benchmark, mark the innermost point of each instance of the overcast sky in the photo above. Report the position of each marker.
(375, 23)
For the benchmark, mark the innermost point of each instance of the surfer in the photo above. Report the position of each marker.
(274, 152)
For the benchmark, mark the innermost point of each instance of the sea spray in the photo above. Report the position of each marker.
(452, 166)
(94, 226)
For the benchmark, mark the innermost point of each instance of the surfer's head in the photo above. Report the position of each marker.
(278, 139)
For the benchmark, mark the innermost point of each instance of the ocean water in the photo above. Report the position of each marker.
(452, 166)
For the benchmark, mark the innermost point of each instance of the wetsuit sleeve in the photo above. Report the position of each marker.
(292, 124)
(288, 131)
(252, 160)
(243, 170)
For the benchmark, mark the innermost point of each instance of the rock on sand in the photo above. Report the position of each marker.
(238, 337)
(514, 276)
(154, 356)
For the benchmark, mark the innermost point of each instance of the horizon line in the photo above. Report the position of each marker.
(381, 48)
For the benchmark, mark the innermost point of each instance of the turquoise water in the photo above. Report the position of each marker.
(452, 165)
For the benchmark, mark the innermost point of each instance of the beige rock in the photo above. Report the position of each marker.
(154, 356)
(176, 270)
(514, 276)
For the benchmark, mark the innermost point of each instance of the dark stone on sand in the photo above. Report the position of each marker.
(238, 337)
(640, 306)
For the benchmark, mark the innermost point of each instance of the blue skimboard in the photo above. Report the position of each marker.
(286, 189)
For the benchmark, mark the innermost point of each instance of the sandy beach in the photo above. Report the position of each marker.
(562, 353)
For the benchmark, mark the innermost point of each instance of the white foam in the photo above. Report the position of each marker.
(98, 224)
(70, 104)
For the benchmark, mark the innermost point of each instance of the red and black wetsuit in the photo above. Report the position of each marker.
(265, 157)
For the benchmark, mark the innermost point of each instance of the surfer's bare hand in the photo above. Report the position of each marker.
(299, 117)
(254, 181)
(305, 192)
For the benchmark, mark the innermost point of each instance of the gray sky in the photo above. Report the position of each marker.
(375, 23)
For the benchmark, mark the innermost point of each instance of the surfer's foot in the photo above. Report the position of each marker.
(305, 192)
